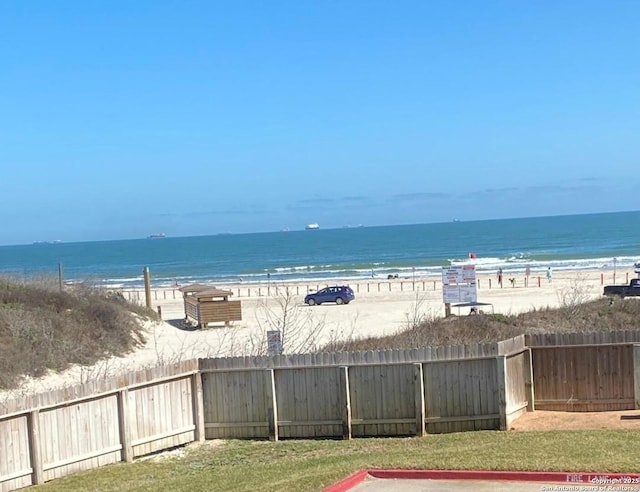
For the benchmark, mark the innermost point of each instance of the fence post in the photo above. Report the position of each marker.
(418, 379)
(528, 380)
(126, 453)
(272, 411)
(345, 401)
(147, 286)
(636, 374)
(197, 406)
(35, 452)
(501, 374)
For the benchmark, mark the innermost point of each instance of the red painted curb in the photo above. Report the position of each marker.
(603, 479)
(348, 483)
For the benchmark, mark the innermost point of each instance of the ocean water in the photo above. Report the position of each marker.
(562, 242)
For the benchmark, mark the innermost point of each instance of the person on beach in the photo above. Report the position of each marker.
(549, 274)
(500, 277)
(527, 272)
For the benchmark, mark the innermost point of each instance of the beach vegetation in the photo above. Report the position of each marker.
(574, 315)
(44, 328)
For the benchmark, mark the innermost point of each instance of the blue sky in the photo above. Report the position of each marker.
(121, 119)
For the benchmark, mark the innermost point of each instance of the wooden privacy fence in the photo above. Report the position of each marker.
(586, 372)
(344, 394)
(58, 433)
(361, 394)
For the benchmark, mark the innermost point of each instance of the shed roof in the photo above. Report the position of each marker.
(195, 288)
(202, 290)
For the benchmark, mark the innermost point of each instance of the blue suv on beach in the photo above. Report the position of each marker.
(338, 294)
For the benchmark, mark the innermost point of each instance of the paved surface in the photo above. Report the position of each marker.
(484, 481)
(371, 484)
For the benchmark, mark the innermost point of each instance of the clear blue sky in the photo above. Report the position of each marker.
(121, 119)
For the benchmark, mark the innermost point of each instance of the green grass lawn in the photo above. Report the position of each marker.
(305, 465)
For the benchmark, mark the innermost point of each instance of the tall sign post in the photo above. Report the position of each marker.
(458, 285)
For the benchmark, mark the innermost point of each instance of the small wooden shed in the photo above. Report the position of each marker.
(205, 304)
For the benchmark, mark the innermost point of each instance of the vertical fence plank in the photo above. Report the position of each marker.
(126, 454)
(345, 401)
(272, 410)
(418, 379)
(501, 374)
(197, 406)
(35, 452)
(528, 380)
(636, 374)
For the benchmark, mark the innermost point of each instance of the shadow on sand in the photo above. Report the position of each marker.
(181, 324)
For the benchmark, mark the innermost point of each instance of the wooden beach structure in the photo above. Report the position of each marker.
(206, 304)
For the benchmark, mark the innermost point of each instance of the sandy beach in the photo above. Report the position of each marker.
(381, 307)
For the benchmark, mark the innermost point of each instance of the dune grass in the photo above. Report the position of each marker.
(43, 328)
(575, 315)
(311, 465)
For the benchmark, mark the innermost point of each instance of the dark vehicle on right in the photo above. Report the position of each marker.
(339, 294)
(631, 290)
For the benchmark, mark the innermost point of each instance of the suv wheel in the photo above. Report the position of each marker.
(311, 302)
(339, 300)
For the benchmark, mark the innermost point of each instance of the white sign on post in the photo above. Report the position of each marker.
(458, 274)
(459, 284)
(459, 293)
(274, 342)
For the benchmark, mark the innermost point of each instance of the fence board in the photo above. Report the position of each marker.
(76, 436)
(309, 402)
(237, 402)
(15, 465)
(382, 400)
(583, 378)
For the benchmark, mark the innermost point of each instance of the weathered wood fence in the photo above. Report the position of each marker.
(55, 434)
(344, 394)
(361, 394)
(586, 372)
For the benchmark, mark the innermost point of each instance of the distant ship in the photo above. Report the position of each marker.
(313, 225)
(55, 241)
(157, 236)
